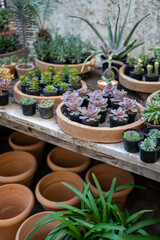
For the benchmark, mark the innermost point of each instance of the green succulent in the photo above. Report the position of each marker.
(73, 72)
(37, 72)
(107, 80)
(149, 69)
(24, 80)
(132, 135)
(144, 57)
(52, 70)
(64, 86)
(154, 132)
(27, 101)
(73, 80)
(7, 61)
(30, 74)
(156, 97)
(45, 77)
(138, 68)
(57, 80)
(152, 113)
(49, 88)
(131, 60)
(34, 84)
(156, 68)
(148, 144)
(46, 103)
(14, 58)
(66, 71)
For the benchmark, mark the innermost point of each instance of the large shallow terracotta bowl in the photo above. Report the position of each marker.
(139, 86)
(18, 95)
(18, 53)
(95, 134)
(88, 66)
(150, 98)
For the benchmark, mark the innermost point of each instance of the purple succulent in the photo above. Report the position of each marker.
(83, 91)
(95, 94)
(5, 84)
(99, 102)
(90, 113)
(118, 114)
(108, 90)
(74, 104)
(68, 95)
(118, 95)
(129, 105)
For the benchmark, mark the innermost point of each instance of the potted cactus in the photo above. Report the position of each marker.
(5, 85)
(130, 107)
(150, 76)
(90, 115)
(131, 138)
(50, 90)
(24, 83)
(131, 61)
(118, 96)
(144, 56)
(46, 108)
(149, 150)
(152, 114)
(28, 106)
(73, 108)
(118, 117)
(34, 88)
(138, 70)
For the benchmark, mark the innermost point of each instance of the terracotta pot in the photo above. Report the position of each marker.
(22, 142)
(50, 190)
(95, 134)
(16, 203)
(102, 84)
(150, 98)
(11, 67)
(59, 67)
(25, 229)
(105, 173)
(60, 159)
(149, 125)
(18, 53)
(23, 168)
(21, 70)
(18, 95)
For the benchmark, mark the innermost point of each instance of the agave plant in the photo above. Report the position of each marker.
(118, 114)
(118, 95)
(98, 218)
(90, 113)
(69, 95)
(129, 105)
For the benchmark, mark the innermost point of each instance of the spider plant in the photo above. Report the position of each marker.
(116, 45)
(98, 218)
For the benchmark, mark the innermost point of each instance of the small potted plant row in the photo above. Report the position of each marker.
(51, 82)
(92, 108)
(45, 107)
(10, 63)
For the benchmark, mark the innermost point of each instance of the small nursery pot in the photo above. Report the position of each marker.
(47, 94)
(46, 113)
(22, 142)
(150, 125)
(102, 84)
(21, 70)
(28, 109)
(17, 167)
(103, 116)
(16, 203)
(152, 78)
(132, 146)
(25, 229)
(42, 86)
(23, 88)
(132, 117)
(33, 92)
(116, 123)
(137, 76)
(105, 174)
(50, 190)
(90, 123)
(61, 159)
(149, 156)
(114, 105)
(128, 69)
(74, 118)
(4, 98)
(146, 132)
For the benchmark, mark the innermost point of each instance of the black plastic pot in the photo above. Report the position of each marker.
(116, 123)
(132, 146)
(33, 92)
(74, 117)
(78, 85)
(85, 102)
(132, 117)
(60, 91)
(46, 113)
(137, 76)
(128, 69)
(47, 94)
(4, 98)
(152, 78)
(23, 88)
(90, 123)
(148, 156)
(103, 116)
(42, 85)
(28, 110)
(114, 105)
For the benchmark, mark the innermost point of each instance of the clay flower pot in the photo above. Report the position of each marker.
(25, 229)
(22, 142)
(50, 189)
(11, 67)
(60, 159)
(21, 70)
(16, 203)
(105, 173)
(17, 167)
(102, 84)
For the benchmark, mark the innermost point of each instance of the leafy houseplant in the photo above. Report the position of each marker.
(131, 138)
(50, 90)
(33, 88)
(150, 76)
(46, 108)
(130, 108)
(90, 115)
(149, 150)
(28, 106)
(138, 70)
(118, 117)
(98, 218)
(152, 114)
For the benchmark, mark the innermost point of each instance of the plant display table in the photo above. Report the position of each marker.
(48, 130)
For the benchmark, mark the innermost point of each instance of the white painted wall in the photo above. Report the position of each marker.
(96, 11)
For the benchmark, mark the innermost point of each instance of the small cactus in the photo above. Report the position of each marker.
(156, 67)
(131, 60)
(149, 69)
(138, 67)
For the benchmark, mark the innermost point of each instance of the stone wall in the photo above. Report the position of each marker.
(97, 11)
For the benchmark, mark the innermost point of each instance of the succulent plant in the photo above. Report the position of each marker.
(30, 74)
(64, 86)
(68, 95)
(74, 104)
(49, 88)
(131, 135)
(154, 132)
(5, 85)
(83, 91)
(27, 101)
(118, 95)
(57, 80)
(45, 77)
(14, 58)
(66, 71)
(60, 75)
(129, 105)
(73, 80)
(6, 61)
(94, 94)
(5, 74)
(156, 97)
(144, 57)
(37, 72)
(131, 60)
(98, 101)
(24, 80)
(90, 113)
(138, 68)
(156, 68)
(52, 70)
(152, 113)
(46, 103)
(107, 80)
(148, 144)
(149, 69)
(108, 90)
(73, 72)
(118, 114)
(34, 84)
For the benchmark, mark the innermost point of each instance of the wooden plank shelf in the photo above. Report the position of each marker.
(48, 130)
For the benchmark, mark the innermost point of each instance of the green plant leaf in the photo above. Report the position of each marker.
(116, 26)
(133, 237)
(110, 35)
(110, 195)
(143, 232)
(94, 206)
(136, 215)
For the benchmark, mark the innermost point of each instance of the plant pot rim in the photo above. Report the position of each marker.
(76, 169)
(150, 98)
(8, 54)
(136, 130)
(24, 175)
(31, 66)
(152, 125)
(136, 85)
(102, 86)
(50, 204)
(18, 95)
(94, 134)
(20, 217)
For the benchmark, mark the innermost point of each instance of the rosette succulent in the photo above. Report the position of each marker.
(90, 113)
(118, 95)
(45, 77)
(129, 105)
(108, 90)
(52, 70)
(68, 95)
(24, 80)
(5, 85)
(118, 114)
(98, 101)
(154, 132)
(74, 104)
(152, 113)
(83, 91)
(148, 144)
